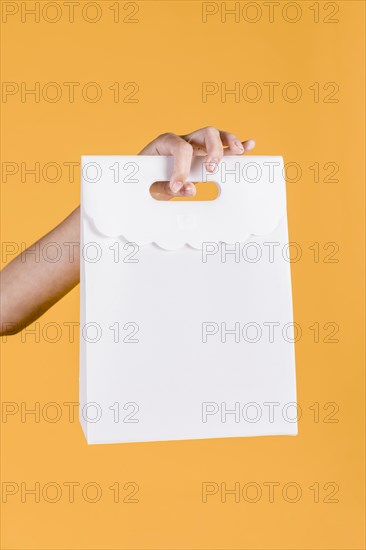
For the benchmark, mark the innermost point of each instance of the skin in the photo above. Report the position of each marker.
(29, 286)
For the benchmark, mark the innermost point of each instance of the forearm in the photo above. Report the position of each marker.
(33, 282)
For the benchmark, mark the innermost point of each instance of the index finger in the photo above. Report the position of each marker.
(182, 151)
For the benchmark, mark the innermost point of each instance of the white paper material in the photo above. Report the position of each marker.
(186, 307)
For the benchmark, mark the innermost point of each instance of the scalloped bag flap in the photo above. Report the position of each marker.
(116, 198)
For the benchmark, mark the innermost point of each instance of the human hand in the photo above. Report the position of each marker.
(209, 142)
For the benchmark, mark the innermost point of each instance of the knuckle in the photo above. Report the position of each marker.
(185, 147)
(212, 130)
(165, 135)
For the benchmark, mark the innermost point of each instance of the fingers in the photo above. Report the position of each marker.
(246, 146)
(232, 142)
(207, 141)
(161, 190)
(183, 153)
(214, 148)
(210, 141)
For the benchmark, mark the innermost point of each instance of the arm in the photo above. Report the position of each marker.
(30, 284)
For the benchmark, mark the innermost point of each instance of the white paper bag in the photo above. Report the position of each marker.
(186, 307)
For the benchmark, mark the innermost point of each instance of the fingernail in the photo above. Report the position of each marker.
(250, 144)
(188, 191)
(239, 146)
(175, 186)
(211, 165)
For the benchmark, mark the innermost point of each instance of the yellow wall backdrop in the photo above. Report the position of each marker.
(298, 72)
